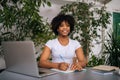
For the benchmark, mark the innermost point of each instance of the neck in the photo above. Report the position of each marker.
(63, 40)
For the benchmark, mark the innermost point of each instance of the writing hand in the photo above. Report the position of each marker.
(63, 66)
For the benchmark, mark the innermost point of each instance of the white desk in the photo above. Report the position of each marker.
(85, 75)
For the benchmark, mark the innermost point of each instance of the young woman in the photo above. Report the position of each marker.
(62, 49)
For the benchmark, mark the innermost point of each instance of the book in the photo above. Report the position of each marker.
(117, 72)
(103, 72)
(104, 69)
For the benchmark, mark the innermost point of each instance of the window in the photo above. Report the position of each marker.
(116, 24)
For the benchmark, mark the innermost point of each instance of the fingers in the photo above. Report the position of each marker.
(63, 66)
(76, 66)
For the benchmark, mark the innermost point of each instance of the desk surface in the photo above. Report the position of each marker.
(84, 75)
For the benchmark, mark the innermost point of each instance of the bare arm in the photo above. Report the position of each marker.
(45, 63)
(79, 61)
(81, 57)
(44, 59)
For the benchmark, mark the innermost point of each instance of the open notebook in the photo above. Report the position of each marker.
(68, 71)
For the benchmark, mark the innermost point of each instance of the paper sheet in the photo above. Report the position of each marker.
(67, 71)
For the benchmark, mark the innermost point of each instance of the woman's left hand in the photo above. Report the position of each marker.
(76, 66)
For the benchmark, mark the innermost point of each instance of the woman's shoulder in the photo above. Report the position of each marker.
(73, 41)
(51, 43)
(52, 40)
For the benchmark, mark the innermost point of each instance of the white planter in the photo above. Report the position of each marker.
(2, 63)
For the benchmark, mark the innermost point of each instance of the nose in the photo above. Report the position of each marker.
(65, 26)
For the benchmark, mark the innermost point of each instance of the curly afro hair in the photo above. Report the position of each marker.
(56, 22)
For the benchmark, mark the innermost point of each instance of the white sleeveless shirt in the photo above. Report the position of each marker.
(62, 53)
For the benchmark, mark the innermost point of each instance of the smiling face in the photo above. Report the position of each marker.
(64, 29)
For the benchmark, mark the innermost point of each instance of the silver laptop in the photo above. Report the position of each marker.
(20, 58)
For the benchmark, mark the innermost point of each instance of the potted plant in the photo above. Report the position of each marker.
(96, 60)
(112, 50)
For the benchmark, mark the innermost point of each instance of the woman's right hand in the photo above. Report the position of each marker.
(63, 66)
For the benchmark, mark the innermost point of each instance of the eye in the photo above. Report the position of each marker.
(68, 25)
(61, 25)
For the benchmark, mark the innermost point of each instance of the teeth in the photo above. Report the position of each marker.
(64, 31)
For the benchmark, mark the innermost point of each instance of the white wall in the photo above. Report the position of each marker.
(50, 12)
(113, 6)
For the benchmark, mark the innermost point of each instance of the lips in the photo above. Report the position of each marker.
(65, 32)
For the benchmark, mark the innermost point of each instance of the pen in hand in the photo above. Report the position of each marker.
(65, 64)
(62, 58)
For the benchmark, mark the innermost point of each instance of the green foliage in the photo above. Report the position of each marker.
(95, 61)
(112, 50)
(20, 20)
(89, 20)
